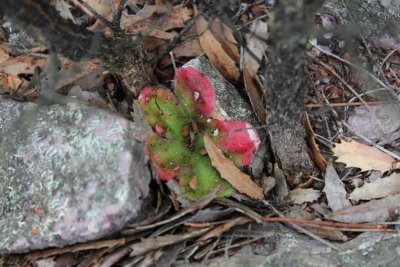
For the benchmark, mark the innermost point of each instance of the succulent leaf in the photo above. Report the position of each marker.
(195, 92)
(238, 139)
(162, 111)
(177, 148)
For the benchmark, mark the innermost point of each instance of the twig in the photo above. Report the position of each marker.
(356, 67)
(348, 86)
(301, 229)
(116, 23)
(171, 54)
(96, 14)
(201, 203)
(344, 104)
(388, 56)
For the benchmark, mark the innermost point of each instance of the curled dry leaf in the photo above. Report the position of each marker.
(334, 190)
(256, 95)
(379, 188)
(255, 49)
(225, 37)
(256, 46)
(318, 158)
(215, 52)
(358, 155)
(239, 180)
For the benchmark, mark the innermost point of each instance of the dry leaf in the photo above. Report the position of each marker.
(334, 190)
(331, 234)
(156, 20)
(215, 52)
(300, 196)
(87, 75)
(255, 49)
(103, 7)
(379, 188)
(4, 54)
(63, 9)
(256, 46)
(22, 65)
(361, 156)
(256, 96)
(372, 211)
(9, 84)
(228, 171)
(224, 36)
(318, 158)
(190, 49)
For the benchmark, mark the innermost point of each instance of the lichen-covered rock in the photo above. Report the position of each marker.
(68, 174)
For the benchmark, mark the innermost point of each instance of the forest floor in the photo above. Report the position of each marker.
(351, 120)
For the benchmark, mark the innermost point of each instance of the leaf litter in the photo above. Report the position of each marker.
(219, 43)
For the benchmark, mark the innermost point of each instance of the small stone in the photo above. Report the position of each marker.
(68, 174)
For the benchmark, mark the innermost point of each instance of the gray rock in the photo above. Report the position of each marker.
(373, 17)
(285, 247)
(228, 97)
(363, 123)
(68, 174)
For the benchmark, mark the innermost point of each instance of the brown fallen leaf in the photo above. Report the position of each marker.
(155, 20)
(88, 75)
(255, 49)
(256, 96)
(224, 36)
(358, 155)
(256, 46)
(190, 49)
(4, 54)
(104, 8)
(215, 52)
(22, 65)
(334, 190)
(379, 188)
(316, 153)
(228, 171)
(9, 84)
(372, 211)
